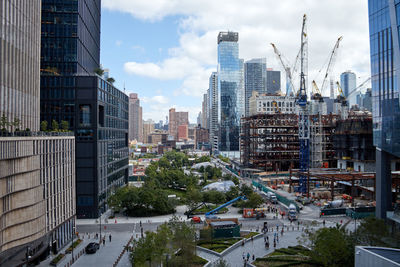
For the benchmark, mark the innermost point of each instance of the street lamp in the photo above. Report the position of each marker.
(72, 246)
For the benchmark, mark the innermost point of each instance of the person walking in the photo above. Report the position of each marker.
(104, 241)
(248, 256)
(274, 244)
(109, 237)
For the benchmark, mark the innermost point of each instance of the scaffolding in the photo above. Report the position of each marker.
(322, 129)
(270, 142)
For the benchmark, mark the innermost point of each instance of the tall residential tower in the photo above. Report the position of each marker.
(255, 79)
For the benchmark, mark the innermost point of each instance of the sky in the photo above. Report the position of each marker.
(165, 50)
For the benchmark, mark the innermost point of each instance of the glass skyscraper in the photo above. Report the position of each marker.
(255, 78)
(384, 22)
(348, 84)
(230, 91)
(71, 91)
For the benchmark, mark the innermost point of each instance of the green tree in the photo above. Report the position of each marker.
(4, 122)
(64, 125)
(43, 126)
(54, 125)
(214, 196)
(332, 247)
(193, 197)
(111, 80)
(16, 123)
(254, 201)
(99, 71)
(374, 232)
(232, 193)
(246, 190)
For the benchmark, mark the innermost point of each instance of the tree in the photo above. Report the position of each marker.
(374, 232)
(246, 190)
(214, 196)
(232, 193)
(193, 197)
(64, 125)
(332, 247)
(54, 125)
(4, 122)
(99, 71)
(111, 80)
(254, 201)
(16, 123)
(43, 126)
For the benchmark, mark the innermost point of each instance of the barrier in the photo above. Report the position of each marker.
(280, 198)
(330, 212)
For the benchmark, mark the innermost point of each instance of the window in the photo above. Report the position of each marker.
(84, 115)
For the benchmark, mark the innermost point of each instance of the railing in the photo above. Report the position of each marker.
(34, 134)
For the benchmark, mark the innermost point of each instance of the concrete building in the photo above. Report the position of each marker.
(255, 79)
(135, 118)
(183, 132)
(205, 111)
(273, 81)
(272, 104)
(19, 55)
(213, 105)
(202, 138)
(157, 137)
(192, 133)
(37, 170)
(230, 91)
(177, 118)
(148, 128)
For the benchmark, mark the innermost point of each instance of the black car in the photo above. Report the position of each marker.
(91, 248)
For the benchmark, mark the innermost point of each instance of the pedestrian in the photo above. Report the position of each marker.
(104, 241)
(97, 235)
(242, 242)
(251, 239)
(254, 257)
(323, 223)
(277, 238)
(248, 256)
(243, 255)
(109, 237)
(282, 232)
(274, 244)
(267, 238)
(140, 223)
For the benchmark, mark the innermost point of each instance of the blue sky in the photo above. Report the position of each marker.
(165, 50)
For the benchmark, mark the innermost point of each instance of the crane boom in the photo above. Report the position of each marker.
(285, 65)
(331, 63)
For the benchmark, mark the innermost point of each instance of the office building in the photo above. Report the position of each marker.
(230, 91)
(177, 118)
(385, 65)
(273, 81)
(148, 128)
(135, 119)
(255, 78)
(205, 111)
(96, 110)
(213, 104)
(37, 169)
(19, 55)
(348, 83)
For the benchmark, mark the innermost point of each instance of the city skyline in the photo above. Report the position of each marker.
(171, 66)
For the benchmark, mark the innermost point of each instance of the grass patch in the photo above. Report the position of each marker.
(181, 194)
(218, 245)
(205, 209)
(249, 235)
(57, 259)
(291, 256)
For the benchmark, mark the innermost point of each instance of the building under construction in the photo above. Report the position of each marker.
(270, 142)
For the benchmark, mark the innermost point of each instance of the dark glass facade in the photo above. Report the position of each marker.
(96, 111)
(384, 22)
(230, 91)
(70, 40)
(255, 79)
(273, 81)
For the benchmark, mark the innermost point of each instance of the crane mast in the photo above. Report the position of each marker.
(304, 126)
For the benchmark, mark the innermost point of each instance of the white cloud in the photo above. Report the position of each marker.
(118, 43)
(259, 22)
(157, 99)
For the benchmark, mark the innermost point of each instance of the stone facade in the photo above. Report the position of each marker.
(37, 195)
(20, 62)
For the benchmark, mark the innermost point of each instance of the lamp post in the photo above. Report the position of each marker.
(72, 245)
(100, 227)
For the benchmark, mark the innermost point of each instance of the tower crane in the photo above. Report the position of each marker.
(304, 126)
(342, 98)
(317, 94)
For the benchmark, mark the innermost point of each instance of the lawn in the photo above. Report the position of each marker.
(292, 256)
(218, 245)
(205, 209)
(249, 235)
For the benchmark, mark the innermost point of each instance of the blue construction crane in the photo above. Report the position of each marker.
(304, 126)
(210, 214)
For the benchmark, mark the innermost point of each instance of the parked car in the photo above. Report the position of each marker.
(91, 248)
